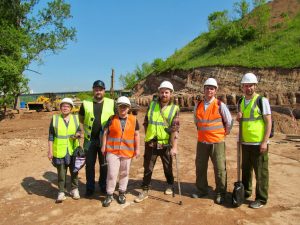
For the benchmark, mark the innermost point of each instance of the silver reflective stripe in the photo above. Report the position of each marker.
(210, 128)
(75, 121)
(63, 136)
(170, 114)
(209, 121)
(120, 140)
(56, 118)
(252, 118)
(157, 123)
(119, 148)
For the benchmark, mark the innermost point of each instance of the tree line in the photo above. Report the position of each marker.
(27, 33)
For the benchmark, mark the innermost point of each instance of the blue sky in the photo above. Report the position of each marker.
(121, 35)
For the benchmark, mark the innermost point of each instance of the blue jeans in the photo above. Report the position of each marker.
(91, 157)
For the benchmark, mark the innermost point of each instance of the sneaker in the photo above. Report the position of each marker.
(75, 194)
(142, 196)
(256, 204)
(107, 200)
(198, 195)
(220, 199)
(121, 198)
(169, 190)
(61, 197)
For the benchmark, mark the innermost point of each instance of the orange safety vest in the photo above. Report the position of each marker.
(121, 142)
(209, 123)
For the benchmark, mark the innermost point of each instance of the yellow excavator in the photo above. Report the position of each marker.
(43, 103)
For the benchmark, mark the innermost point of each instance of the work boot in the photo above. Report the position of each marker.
(75, 194)
(107, 200)
(61, 197)
(169, 190)
(121, 198)
(142, 196)
(256, 204)
(220, 199)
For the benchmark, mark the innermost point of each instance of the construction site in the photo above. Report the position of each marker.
(29, 181)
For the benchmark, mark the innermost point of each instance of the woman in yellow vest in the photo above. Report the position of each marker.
(63, 128)
(120, 144)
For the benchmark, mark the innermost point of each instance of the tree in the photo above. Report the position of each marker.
(37, 32)
(218, 20)
(241, 8)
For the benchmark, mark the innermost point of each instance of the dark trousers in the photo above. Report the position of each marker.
(62, 177)
(252, 159)
(91, 158)
(216, 152)
(150, 156)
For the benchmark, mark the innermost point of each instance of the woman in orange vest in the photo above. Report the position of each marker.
(120, 144)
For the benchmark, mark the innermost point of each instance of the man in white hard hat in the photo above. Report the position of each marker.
(161, 126)
(61, 146)
(121, 142)
(93, 114)
(213, 121)
(255, 116)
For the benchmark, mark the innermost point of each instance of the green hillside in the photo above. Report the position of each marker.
(279, 48)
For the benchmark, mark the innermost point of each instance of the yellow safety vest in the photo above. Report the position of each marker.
(157, 125)
(253, 126)
(62, 141)
(107, 112)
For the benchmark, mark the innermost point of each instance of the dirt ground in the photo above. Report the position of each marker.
(28, 186)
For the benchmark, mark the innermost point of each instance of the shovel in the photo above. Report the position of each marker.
(238, 194)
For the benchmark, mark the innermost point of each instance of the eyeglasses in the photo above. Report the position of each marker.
(209, 87)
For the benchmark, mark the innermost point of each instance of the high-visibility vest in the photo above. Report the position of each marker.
(159, 122)
(121, 142)
(89, 117)
(62, 141)
(209, 123)
(253, 126)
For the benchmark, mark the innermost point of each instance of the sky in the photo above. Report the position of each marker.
(120, 35)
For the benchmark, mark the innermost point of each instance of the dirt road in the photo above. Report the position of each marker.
(28, 184)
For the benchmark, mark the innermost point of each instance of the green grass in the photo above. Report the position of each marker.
(279, 48)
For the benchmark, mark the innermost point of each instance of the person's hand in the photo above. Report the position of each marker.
(239, 116)
(137, 153)
(263, 147)
(50, 155)
(173, 151)
(78, 135)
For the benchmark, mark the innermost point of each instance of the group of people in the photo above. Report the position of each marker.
(112, 135)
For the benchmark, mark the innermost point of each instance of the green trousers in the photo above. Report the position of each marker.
(62, 177)
(216, 152)
(252, 159)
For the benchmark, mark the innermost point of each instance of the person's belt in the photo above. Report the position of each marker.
(155, 144)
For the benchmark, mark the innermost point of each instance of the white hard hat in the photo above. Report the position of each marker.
(249, 78)
(67, 100)
(123, 101)
(166, 84)
(211, 82)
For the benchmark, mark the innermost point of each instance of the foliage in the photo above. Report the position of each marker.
(26, 35)
(130, 79)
